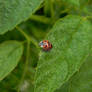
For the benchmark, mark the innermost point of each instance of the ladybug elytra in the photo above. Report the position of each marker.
(46, 45)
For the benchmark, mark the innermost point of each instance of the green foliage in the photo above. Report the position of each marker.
(24, 66)
(15, 11)
(81, 81)
(68, 38)
(10, 53)
(73, 2)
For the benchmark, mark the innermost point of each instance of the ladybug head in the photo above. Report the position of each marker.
(42, 44)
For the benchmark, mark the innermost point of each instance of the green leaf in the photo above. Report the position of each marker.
(71, 38)
(81, 81)
(15, 11)
(47, 7)
(87, 9)
(10, 54)
(11, 82)
(72, 2)
(76, 3)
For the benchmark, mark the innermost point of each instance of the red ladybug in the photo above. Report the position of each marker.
(46, 45)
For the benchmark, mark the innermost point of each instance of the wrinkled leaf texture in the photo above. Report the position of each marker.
(13, 12)
(71, 38)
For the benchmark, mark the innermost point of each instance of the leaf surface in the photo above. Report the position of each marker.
(71, 38)
(73, 2)
(10, 54)
(15, 11)
(81, 81)
(76, 3)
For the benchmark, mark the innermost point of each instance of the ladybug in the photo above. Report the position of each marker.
(46, 45)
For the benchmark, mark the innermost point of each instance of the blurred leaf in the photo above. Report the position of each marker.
(88, 8)
(71, 38)
(81, 81)
(78, 4)
(15, 11)
(11, 82)
(73, 2)
(10, 54)
(47, 7)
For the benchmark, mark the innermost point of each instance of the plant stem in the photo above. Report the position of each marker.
(65, 11)
(41, 19)
(28, 38)
(46, 7)
(26, 65)
(23, 33)
(52, 9)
